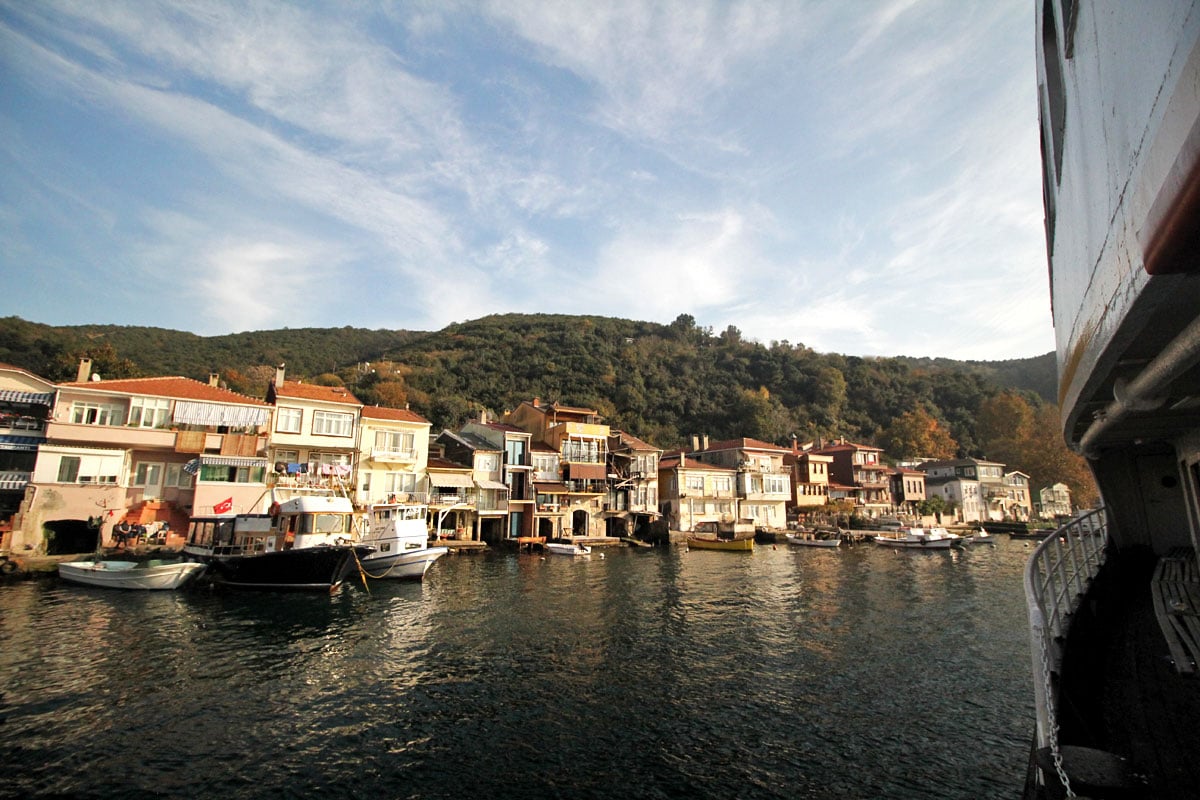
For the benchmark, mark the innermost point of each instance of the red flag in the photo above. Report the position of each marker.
(224, 507)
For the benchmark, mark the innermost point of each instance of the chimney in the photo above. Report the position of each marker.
(704, 442)
(85, 370)
(279, 376)
(537, 402)
(214, 379)
(483, 416)
(695, 442)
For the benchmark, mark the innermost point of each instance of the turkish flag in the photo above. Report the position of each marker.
(224, 507)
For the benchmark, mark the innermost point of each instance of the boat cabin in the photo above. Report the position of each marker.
(302, 522)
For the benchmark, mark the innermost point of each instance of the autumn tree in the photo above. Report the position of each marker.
(1004, 427)
(917, 434)
(1047, 460)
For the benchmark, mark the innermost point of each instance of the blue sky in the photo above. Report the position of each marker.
(859, 177)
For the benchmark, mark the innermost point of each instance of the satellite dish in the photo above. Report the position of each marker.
(95, 376)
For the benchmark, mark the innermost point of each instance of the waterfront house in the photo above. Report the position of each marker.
(488, 492)
(810, 480)
(551, 511)
(764, 483)
(25, 403)
(1054, 501)
(146, 450)
(516, 446)
(632, 502)
(907, 489)
(975, 486)
(393, 452)
(860, 475)
(580, 439)
(1017, 502)
(692, 492)
(314, 442)
(451, 498)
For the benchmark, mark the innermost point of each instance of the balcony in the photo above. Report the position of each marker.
(396, 456)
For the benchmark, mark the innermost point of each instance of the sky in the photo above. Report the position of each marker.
(858, 177)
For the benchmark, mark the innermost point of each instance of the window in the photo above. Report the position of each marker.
(149, 412)
(68, 469)
(287, 420)
(220, 473)
(721, 484)
(399, 482)
(332, 423)
(96, 414)
(487, 462)
(695, 482)
(147, 474)
(516, 451)
(775, 484)
(394, 442)
(288, 456)
(176, 476)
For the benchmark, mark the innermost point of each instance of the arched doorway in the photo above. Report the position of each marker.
(579, 524)
(68, 536)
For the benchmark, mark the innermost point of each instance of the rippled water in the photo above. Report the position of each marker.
(799, 673)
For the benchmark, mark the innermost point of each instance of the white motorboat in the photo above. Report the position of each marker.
(567, 548)
(813, 539)
(154, 574)
(400, 536)
(921, 539)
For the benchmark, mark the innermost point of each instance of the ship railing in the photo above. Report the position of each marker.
(1057, 578)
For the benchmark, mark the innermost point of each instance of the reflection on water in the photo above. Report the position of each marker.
(787, 672)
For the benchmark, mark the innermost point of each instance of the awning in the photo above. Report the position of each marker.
(451, 479)
(492, 485)
(550, 488)
(26, 443)
(581, 472)
(193, 466)
(13, 481)
(35, 398)
(190, 412)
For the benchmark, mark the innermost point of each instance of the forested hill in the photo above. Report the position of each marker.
(660, 382)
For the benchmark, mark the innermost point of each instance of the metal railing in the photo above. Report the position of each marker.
(1056, 579)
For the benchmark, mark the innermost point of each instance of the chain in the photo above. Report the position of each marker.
(1052, 717)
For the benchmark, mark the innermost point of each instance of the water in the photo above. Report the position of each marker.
(789, 672)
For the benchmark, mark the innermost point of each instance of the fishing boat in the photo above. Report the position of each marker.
(920, 539)
(566, 547)
(153, 574)
(303, 543)
(399, 534)
(814, 539)
(713, 543)
(1112, 595)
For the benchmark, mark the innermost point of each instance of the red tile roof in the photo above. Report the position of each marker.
(670, 462)
(173, 387)
(311, 391)
(400, 414)
(745, 444)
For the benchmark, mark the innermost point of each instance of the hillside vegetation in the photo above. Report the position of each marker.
(662, 383)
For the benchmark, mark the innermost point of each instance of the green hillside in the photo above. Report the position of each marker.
(661, 382)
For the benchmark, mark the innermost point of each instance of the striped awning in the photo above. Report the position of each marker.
(13, 481)
(455, 480)
(26, 443)
(550, 488)
(191, 412)
(193, 466)
(35, 398)
(492, 485)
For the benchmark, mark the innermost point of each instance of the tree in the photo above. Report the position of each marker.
(105, 363)
(1004, 427)
(1047, 460)
(917, 434)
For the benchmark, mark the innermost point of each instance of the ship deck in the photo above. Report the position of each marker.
(1130, 688)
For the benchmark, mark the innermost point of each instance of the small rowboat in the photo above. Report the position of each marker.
(703, 543)
(131, 574)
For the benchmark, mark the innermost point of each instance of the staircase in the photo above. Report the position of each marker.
(149, 511)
